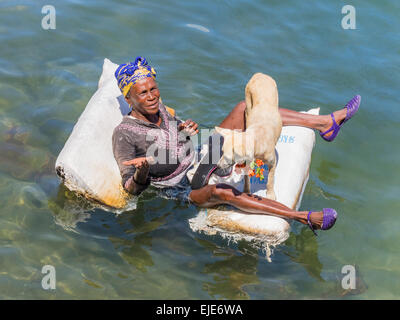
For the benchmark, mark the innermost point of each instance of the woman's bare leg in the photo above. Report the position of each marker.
(212, 195)
(236, 119)
(317, 122)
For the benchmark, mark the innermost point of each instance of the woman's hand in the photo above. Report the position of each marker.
(141, 173)
(139, 163)
(189, 127)
(142, 168)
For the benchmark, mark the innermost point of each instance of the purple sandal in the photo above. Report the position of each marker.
(328, 220)
(352, 107)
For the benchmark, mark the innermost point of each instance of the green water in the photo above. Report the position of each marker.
(48, 76)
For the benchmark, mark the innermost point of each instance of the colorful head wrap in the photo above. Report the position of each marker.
(128, 74)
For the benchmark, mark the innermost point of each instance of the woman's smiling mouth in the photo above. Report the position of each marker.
(153, 106)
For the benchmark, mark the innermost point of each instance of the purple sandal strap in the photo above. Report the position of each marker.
(328, 219)
(335, 128)
(310, 224)
(351, 108)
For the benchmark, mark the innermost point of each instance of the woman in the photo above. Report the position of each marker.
(149, 117)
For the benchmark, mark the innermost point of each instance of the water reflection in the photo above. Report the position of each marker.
(317, 189)
(129, 232)
(302, 248)
(135, 251)
(232, 273)
(134, 244)
(360, 285)
(327, 171)
(333, 289)
(69, 209)
(236, 268)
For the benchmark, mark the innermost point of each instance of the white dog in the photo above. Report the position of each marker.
(263, 128)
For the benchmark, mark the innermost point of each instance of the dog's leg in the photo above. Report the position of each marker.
(271, 176)
(246, 188)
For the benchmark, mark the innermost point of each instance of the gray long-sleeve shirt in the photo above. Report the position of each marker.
(134, 138)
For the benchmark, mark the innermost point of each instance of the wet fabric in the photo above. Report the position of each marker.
(180, 191)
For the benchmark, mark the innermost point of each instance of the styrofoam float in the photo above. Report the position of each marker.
(87, 166)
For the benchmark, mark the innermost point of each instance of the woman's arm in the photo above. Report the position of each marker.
(134, 172)
(137, 183)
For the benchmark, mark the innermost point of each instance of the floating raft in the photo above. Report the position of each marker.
(294, 149)
(87, 166)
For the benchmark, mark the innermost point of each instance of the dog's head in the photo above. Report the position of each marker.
(237, 148)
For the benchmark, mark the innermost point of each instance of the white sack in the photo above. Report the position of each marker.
(86, 163)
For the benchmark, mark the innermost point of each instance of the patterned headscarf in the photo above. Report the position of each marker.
(128, 74)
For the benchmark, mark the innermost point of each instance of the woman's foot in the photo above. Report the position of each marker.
(316, 218)
(339, 116)
(335, 120)
(323, 220)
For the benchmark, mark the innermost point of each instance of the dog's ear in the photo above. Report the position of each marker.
(237, 143)
(227, 150)
(250, 141)
(240, 146)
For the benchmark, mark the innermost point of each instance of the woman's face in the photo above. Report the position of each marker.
(144, 96)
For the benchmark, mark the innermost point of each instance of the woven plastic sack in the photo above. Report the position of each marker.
(86, 163)
(294, 149)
